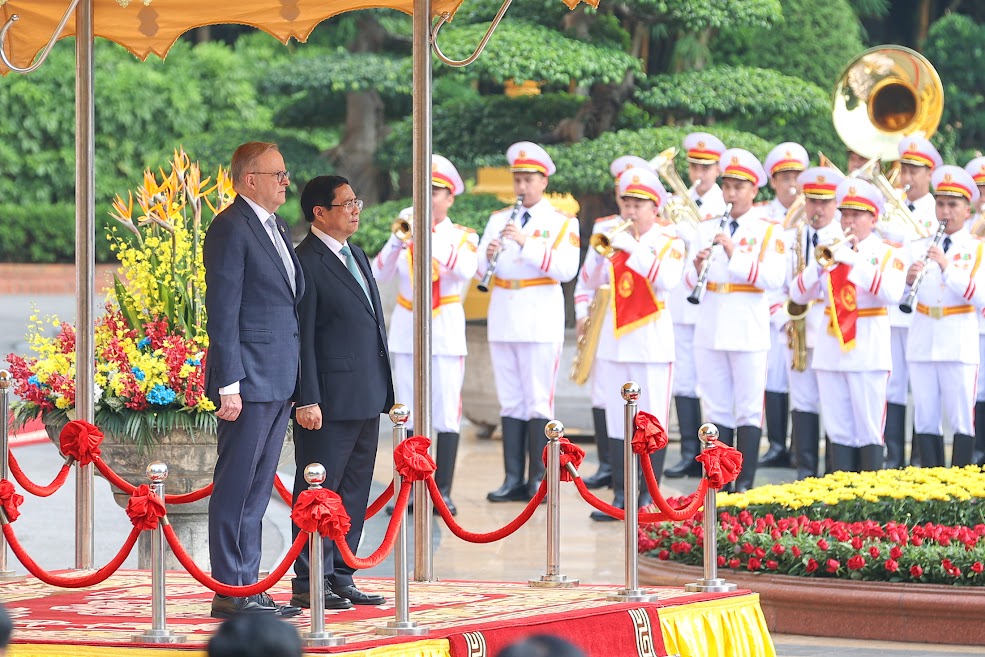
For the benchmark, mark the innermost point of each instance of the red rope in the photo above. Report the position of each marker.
(62, 581)
(488, 537)
(225, 589)
(285, 495)
(380, 501)
(399, 513)
(618, 514)
(670, 513)
(193, 496)
(30, 486)
(128, 488)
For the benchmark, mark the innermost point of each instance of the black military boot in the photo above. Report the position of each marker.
(688, 420)
(446, 453)
(894, 436)
(844, 458)
(536, 442)
(979, 454)
(870, 457)
(931, 449)
(603, 476)
(963, 450)
(777, 405)
(514, 488)
(617, 460)
(806, 440)
(747, 440)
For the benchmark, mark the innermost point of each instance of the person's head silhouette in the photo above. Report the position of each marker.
(542, 645)
(257, 635)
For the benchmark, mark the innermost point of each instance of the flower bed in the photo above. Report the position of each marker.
(912, 525)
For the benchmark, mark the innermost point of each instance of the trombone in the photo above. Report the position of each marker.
(825, 254)
(872, 172)
(602, 242)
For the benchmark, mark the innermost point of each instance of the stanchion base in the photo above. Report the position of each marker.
(553, 582)
(716, 585)
(403, 628)
(159, 636)
(11, 576)
(321, 639)
(632, 595)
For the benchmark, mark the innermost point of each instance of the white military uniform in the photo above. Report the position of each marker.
(453, 251)
(852, 384)
(644, 354)
(732, 338)
(526, 309)
(778, 358)
(942, 359)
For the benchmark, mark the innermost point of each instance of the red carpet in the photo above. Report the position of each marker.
(469, 615)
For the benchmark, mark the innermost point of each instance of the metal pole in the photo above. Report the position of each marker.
(553, 579)
(85, 263)
(314, 474)
(710, 583)
(401, 625)
(423, 557)
(158, 632)
(632, 593)
(5, 383)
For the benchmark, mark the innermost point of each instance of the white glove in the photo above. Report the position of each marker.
(624, 242)
(846, 255)
(397, 243)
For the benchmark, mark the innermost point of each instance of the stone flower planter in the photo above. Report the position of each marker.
(921, 613)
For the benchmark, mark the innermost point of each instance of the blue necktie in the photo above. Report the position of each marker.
(524, 219)
(350, 263)
(947, 244)
(733, 226)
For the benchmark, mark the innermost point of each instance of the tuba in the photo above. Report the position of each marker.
(681, 207)
(588, 343)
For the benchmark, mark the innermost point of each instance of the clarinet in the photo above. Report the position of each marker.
(911, 298)
(491, 270)
(699, 289)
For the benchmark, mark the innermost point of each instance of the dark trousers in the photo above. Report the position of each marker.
(248, 452)
(347, 449)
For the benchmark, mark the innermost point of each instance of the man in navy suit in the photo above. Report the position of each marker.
(345, 376)
(254, 283)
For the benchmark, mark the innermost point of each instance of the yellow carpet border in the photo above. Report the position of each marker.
(730, 627)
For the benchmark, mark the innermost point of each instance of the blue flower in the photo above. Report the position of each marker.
(138, 373)
(161, 395)
(144, 342)
(194, 361)
(33, 380)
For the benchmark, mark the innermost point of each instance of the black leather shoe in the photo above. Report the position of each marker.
(284, 611)
(332, 601)
(686, 468)
(516, 493)
(451, 505)
(357, 597)
(775, 457)
(600, 479)
(228, 607)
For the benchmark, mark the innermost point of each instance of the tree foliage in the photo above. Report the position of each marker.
(961, 73)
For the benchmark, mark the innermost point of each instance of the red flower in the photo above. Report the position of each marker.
(772, 565)
(916, 540)
(916, 571)
(734, 563)
(823, 544)
(856, 563)
(760, 552)
(977, 567)
(722, 561)
(892, 565)
(857, 543)
(832, 565)
(874, 552)
(778, 549)
(747, 548)
(754, 563)
(895, 552)
(663, 555)
(795, 551)
(811, 565)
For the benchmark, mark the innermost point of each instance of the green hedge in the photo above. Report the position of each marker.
(45, 233)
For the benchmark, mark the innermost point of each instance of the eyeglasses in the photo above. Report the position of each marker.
(356, 203)
(282, 176)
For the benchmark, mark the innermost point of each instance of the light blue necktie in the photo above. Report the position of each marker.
(350, 263)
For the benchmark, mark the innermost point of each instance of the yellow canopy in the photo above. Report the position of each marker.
(152, 26)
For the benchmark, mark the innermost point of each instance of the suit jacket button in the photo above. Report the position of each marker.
(295, 335)
(382, 354)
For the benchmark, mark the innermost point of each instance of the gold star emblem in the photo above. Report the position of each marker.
(636, 180)
(820, 179)
(851, 191)
(948, 177)
(701, 144)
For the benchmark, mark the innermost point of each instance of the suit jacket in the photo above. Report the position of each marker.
(252, 313)
(345, 365)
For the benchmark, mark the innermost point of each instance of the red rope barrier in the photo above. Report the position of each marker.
(683, 513)
(399, 513)
(30, 486)
(128, 488)
(225, 589)
(380, 501)
(488, 537)
(285, 495)
(193, 496)
(618, 514)
(76, 582)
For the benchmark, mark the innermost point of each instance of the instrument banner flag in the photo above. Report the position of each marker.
(633, 301)
(843, 306)
(435, 279)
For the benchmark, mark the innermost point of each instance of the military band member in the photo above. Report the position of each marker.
(821, 227)
(731, 338)
(453, 264)
(852, 357)
(783, 164)
(942, 344)
(703, 152)
(855, 160)
(918, 158)
(977, 170)
(540, 250)
(637, 339)
(583, 299)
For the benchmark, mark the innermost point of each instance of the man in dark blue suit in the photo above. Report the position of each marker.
(345, 376)
(254, 283)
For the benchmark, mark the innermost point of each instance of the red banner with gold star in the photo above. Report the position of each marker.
(842, 306)
(633, 300)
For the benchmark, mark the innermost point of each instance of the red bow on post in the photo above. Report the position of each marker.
(81, 441)
(650, 435)
(722, 463)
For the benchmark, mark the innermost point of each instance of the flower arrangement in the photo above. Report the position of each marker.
(915, 525)
(151, 342)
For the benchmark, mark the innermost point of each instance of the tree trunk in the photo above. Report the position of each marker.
(354, 157)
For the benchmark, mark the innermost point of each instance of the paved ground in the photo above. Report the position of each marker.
(590, 551)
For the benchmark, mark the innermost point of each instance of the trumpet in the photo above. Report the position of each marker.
(911, 298)
(825, 254)
(699, 289)
(491, 270)
(401, 229)
(602, 242)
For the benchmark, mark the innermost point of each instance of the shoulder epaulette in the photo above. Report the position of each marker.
(465, 228)
(608, 218)
(771, 221)
(895, 245)
(566, 215)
